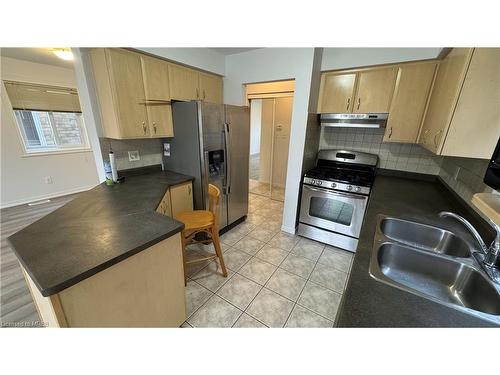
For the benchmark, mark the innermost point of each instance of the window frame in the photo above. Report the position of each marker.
(47, 150)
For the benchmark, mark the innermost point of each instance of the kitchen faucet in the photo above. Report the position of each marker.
(490, 255)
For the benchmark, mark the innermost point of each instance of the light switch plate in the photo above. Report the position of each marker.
(133, 156)
(166, 149)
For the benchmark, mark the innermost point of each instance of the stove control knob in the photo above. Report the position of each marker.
(349, 187)
(334, 185)
(313, 181)
(357, 189)
(319, 182)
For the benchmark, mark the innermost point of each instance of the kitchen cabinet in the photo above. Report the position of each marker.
(165, 206)
(181, 198)
(210, 88)
(475, 126)
(411, 93)
(337, 93)
(120, 90)
(448, 82)
(375, 90)
(177, 198)
(184, 83)
(157, 95)
(357, 91)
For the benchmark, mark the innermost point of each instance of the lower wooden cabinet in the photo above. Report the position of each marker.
(177, 198)
(181, 197)
(413, 85)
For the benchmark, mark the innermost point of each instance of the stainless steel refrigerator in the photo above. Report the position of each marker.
(212, 143)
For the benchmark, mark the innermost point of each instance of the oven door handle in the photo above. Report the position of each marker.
(354, 196)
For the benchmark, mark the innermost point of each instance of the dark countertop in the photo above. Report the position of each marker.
(370, 303)
(99, 228)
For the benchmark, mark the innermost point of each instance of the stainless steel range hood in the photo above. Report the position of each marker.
(354, 120)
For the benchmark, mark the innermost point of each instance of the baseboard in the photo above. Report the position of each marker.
(46, 196)
(288, 229)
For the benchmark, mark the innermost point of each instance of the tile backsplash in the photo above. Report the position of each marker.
(400, 156)
(150, 151)
(465, 176)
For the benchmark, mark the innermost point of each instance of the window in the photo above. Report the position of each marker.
(49, 131)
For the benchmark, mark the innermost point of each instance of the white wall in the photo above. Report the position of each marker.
(271, 64)
(202, 58)
(255, 125)
(341, 58)
(23, 177)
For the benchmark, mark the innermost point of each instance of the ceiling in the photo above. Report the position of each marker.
(232, 51)
(37, 55)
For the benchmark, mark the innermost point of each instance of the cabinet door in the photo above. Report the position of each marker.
(375, 90)
(164, 207)
(128, 92)
(336, 93)
(183, 83)
(413, 85)
(155, 73)
(181, 198)
(449, 79)
(475, 127)
(211, 88)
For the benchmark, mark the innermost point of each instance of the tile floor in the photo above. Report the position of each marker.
(275, 279)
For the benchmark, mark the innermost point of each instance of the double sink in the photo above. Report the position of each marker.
(433, 263)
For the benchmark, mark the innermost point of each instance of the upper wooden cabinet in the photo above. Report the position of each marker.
(189, 84)
(475, 127)
(361, 91)
(447, 85)
(374, 91)
(156, 85)
(133, 95)
(337, 93)
(210, 88)
(184, 83)
(120, 89)
(413, 85)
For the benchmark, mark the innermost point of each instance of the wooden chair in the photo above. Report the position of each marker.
(202, 221)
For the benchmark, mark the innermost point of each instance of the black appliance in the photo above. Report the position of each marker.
(492, 176)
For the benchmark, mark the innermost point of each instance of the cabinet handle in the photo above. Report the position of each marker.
(144, 127)
(359, 102)
(390, 132)
(435, 138)
(189, 189)
(204, 95)
(197, 93)
(348, 103)
(154, 126)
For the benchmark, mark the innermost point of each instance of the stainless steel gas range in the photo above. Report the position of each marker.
(334, 197)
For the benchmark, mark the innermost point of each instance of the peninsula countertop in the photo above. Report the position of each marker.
(369, 303)
(99, 228)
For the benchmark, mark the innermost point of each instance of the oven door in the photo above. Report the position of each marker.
(333, 210)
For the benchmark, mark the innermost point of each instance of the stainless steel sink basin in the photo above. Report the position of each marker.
(447, 280)
(435, 264)
(424, 237)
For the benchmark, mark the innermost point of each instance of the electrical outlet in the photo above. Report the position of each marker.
(134, 156)
(49, 180)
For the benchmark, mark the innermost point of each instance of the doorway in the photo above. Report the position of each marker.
(270, 124)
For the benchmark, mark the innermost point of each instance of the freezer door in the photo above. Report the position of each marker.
(214, 153)
(237, 120)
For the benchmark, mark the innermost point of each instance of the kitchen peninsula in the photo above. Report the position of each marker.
(108, 258)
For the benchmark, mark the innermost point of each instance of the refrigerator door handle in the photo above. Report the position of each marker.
(227, 146)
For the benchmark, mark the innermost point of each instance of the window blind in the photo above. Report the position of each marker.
(27, 96)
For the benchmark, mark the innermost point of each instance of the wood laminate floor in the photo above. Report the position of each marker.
(16, 305)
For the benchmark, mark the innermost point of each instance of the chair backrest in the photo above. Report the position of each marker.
(213, 200)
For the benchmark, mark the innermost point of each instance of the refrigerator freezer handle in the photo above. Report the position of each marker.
(205, 179)
(227, 146)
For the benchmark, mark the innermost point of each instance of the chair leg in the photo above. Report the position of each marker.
(215, 238)
(184, 255)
